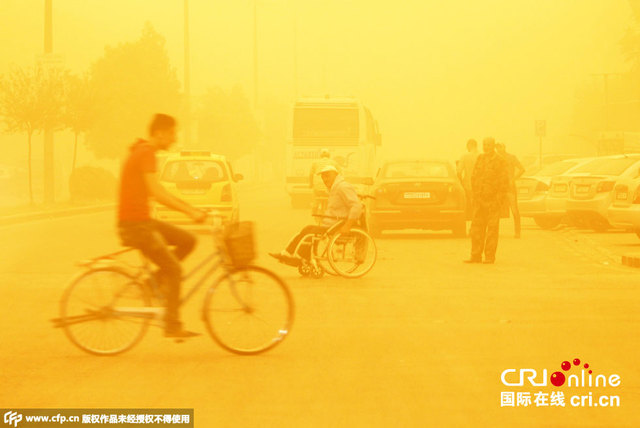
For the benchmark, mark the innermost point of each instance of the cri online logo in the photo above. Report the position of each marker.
(12, 418)
(558, 378)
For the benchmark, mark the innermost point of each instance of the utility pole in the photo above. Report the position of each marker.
(295, 51)
(48, 175)
(187, 79)
(255, 54)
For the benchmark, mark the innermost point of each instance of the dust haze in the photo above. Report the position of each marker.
(433, 73)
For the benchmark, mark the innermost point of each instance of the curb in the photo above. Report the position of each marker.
(43, 215)
(67, 212)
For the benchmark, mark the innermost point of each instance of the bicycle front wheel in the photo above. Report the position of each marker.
(248, 310)
(105, 311)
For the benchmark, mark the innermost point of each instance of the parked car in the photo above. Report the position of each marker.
(204, 180)
(531, 163)
(591, 189)
(624, 211)
(533, 189)
(417, 194)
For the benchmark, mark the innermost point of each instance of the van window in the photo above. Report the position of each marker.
(205, 171)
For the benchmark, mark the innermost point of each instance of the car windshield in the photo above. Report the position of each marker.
(418, 169)
(556, 168)
(206, 171)
(606, 166)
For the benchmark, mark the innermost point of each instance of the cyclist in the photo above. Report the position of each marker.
(138, 182)
(343, 203)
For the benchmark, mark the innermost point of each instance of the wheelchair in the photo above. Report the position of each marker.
(319, 204)
(350, 255)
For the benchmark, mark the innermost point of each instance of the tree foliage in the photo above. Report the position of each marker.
(130, 83)
(226, 124)
(32, 100)
(79, 108)
(79, 111)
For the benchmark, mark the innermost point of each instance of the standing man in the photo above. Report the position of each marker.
(515, 169)
(464, 169)
(139, 182)
(489, 183)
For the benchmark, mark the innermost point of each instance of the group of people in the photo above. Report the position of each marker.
(489, 181)
(167, 245)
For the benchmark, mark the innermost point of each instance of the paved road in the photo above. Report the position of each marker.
(420, 341)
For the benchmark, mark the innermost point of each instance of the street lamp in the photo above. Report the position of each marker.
(187, 80)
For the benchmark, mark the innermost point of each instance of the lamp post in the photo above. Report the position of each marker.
(48, 171)
(255, 54)
(187, 79)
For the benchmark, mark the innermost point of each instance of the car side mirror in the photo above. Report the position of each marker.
(238, 177)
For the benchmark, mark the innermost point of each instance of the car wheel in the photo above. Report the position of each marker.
(546, 222)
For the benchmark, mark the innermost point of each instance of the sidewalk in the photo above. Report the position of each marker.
(25, 213)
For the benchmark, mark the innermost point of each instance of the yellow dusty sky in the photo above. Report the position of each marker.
(434, 73)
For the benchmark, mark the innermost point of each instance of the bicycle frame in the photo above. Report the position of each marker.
(115, 300)
(214, 260)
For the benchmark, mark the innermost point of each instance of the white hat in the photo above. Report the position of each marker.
(327, 168)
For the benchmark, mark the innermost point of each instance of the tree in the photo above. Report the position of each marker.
(31, 100)
(79, 112)
(130, 83)
(226, 124)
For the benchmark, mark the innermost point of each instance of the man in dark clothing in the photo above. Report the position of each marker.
(489, 182)
(515, 170)
(137, 229)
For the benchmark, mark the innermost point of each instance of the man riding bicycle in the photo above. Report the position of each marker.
(137, 229)
(343, 203)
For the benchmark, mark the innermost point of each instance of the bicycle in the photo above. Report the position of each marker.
(108, 307)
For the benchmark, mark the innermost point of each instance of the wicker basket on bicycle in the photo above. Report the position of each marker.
(239, 242)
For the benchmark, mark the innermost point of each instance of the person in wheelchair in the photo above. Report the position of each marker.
(320, 193)
(343, 204)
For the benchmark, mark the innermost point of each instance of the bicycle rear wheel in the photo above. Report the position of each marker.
(248, 310)
(105, 311)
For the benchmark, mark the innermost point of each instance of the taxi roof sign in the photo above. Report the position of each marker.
(195, 153)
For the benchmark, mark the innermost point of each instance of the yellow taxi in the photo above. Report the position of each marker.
(204, 180)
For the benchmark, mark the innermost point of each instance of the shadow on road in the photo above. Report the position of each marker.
(418, 235)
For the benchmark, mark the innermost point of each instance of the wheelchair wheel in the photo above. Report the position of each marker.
(352, 254)
(304, 268)
(321, 256)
